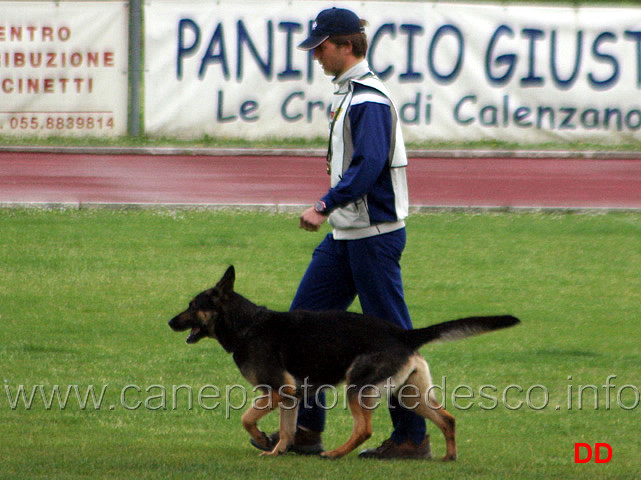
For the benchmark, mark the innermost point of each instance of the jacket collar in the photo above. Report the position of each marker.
(357, 71)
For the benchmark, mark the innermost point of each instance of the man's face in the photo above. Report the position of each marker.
(332, 57)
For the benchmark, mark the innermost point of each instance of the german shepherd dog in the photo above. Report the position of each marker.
(278, 352)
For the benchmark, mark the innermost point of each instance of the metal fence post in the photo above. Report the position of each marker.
(135, 55)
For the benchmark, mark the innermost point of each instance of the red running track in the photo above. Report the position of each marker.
(294, 180)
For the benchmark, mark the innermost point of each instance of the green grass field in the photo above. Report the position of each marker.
(85, 296)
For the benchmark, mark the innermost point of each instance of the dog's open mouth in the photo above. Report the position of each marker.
(195, 335)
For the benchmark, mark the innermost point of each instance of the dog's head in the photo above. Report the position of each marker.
(205, 309)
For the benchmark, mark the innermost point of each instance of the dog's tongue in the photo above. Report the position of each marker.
(193, 336)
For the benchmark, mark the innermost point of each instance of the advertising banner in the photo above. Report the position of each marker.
(457, 72)
(63, 68)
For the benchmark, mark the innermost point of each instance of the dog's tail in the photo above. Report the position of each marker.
(457, 329)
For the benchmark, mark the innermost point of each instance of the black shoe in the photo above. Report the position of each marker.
(306, 442)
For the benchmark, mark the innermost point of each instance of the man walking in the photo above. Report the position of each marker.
(366, 206)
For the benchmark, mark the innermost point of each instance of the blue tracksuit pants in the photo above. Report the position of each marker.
(370, 268)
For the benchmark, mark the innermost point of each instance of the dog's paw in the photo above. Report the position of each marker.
(273, 453)
(331, 455)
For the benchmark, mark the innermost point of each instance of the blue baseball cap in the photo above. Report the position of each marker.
(333, 21)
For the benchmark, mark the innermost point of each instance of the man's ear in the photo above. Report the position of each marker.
(348, 48)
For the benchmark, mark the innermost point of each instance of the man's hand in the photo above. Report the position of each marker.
(311, 220)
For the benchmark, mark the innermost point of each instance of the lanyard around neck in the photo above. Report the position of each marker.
(334, 118)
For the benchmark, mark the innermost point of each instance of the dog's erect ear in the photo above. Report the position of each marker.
(226, 284)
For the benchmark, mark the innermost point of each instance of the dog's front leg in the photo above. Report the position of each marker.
(287, 431)
(260, 407)
(288, 410)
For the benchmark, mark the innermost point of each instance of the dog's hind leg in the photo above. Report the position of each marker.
(361, 408)
(429, 407)
(445, 421)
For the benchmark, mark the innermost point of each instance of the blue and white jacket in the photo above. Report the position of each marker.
(367, 159)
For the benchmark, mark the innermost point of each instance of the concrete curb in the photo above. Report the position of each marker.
(295, 209)
(317, 152)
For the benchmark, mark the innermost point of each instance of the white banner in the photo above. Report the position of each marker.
(457, 72)
(63, 68)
